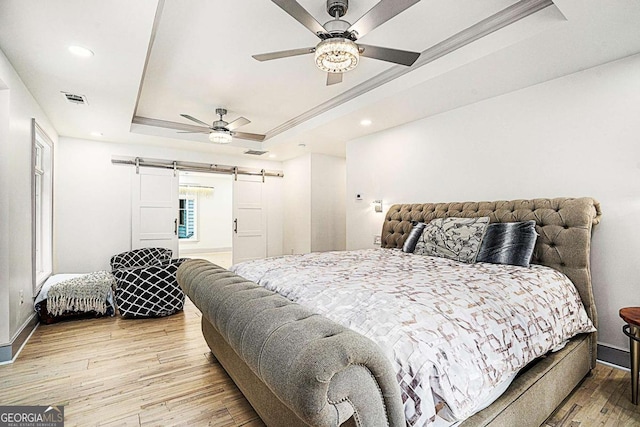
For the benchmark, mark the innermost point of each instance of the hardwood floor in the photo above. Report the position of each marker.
(603, 399)
(119, 372)
(159, 372)
(223, 259)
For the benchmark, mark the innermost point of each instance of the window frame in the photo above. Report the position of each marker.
(194, 198)
(41, 205)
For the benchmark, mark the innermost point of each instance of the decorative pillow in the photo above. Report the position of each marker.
(454, 238)
(508, 243)
(414, 235)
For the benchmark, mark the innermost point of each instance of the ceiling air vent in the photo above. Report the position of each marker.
(75, 99)
(255, 152)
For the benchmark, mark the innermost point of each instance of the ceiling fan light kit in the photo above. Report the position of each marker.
(338, 51)
(220, 137)
(337, 55)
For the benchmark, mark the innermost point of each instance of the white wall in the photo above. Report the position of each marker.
(297, 202)
(328, 192)
(93, 200)
(314, 197)
(274, 191)
(214, 214)
(17, 108)
(573, 136)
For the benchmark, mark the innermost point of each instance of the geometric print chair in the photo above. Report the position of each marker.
(140, 258)
(146, 284)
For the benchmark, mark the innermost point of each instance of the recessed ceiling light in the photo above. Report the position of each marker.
(365, 122)
(80, 51)
(96, 133)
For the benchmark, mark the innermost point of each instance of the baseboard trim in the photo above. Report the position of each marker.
(9, 352)
(203, 251)
(613, 356)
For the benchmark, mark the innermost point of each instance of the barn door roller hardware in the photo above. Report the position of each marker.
(177, 165)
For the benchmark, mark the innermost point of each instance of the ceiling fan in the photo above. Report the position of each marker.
(223, 132)
(338, 51)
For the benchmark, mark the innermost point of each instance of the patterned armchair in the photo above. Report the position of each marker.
(146, 283)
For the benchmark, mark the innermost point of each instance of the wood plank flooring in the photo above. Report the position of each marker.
(159, 372)
(122, 372)
(603, 399)
(223, 259)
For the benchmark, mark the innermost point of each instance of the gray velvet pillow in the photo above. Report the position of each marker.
(508, 243)
(415, 233)
(453, 238)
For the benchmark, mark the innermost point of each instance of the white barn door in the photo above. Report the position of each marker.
(154, 209)
(249, 219)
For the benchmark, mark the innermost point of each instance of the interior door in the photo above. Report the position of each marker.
(154, 209)
(249, 219)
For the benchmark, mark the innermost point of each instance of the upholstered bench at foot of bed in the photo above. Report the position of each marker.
(322, 372)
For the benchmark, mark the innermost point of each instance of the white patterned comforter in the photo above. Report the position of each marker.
(454, 332)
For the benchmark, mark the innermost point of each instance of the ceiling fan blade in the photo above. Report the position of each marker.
(186, 116)
(240, 121)
(249, 136)
(284, 54)
(194, 131)
(300, 14)
(402, 57)
(333, 78)
(379, 14)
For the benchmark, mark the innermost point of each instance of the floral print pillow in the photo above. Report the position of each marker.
(454, 238)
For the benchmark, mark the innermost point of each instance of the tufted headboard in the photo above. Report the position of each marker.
(563, 225)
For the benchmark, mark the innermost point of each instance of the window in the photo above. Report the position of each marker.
(190, 196)
(42, 205)
(187, 216)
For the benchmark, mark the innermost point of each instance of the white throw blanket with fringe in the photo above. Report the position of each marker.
(89, 292)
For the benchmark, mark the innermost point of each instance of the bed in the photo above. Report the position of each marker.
(564, 227)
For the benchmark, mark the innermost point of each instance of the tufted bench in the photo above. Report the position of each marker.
(322, 372)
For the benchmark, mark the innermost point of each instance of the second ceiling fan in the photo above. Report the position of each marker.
(338, 51)
(221, 131)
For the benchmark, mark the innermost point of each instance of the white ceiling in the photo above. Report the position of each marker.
(198, 57)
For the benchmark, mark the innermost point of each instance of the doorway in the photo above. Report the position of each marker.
(205, 217)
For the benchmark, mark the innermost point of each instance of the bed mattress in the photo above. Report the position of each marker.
(455, 333)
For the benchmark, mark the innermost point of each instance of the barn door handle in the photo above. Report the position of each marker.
(235, 225)
(175, 226)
